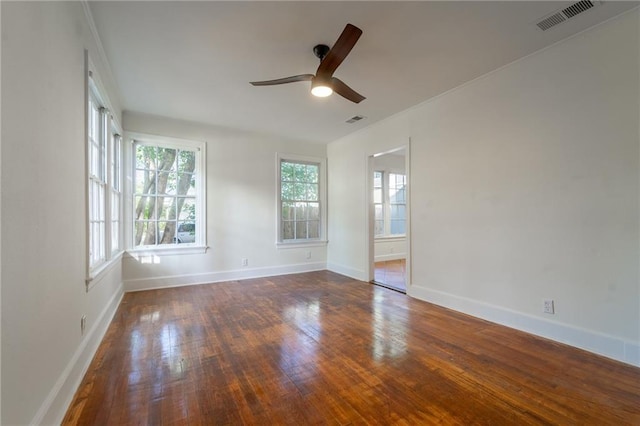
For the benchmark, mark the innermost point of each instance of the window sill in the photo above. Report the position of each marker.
(300, 244)
(167, 251)
(96, 274)
(391, 237)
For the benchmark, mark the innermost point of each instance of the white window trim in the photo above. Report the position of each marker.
(322, 180)
(93, 84)
(200, 245)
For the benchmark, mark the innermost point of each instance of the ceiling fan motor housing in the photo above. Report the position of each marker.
(321, 50)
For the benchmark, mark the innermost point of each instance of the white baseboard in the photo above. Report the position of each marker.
(55, 405)
(592, 341)
(357, 274)
(390, 256)
(141, 284)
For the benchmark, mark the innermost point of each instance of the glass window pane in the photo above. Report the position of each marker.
(288, 211)
(145, 181)
(186, 233)
(186, 161)
(299, 191)
(377, 195)
(300, 172)
(166, 159)
(187, 208)
(301, 230)
(145, 157)
(313, 173)
(143, 231)
(166, 208)
(313, 211)
(166, 232)
(379, 227)
(288, 230)
(301, 211)
(378, 212)
(185, 184)
(312, 192)
(286, 171)
(397, 227)
(314, 228)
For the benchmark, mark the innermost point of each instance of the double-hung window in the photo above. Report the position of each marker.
(301, 200)
(168, 191)
(390, 203)
(104, 194)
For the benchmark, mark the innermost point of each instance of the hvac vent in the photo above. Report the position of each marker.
(562, 15)
(354, 119)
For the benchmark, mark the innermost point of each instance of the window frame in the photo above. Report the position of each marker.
(109, 130)
(321, 240)
(199, 147)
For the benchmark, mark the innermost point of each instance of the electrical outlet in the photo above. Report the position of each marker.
(547, 306)
(245, 261)
(83, 324)
(309, 254)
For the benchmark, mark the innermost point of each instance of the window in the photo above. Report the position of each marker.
(168, 193)
(104, 194)
(301, 200)
(390, 203)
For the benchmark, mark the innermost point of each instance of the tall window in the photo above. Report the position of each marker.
(168, 188)
(301, 200)
(116, 192)
(390, 203)
(104, 160)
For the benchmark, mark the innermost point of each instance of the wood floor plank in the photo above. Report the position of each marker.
(320, 348)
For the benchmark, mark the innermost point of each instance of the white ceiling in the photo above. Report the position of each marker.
(194, 60)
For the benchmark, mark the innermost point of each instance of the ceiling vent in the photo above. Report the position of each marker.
(354, 119)
(562, 15)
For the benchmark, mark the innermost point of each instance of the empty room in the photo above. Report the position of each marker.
(310, 212)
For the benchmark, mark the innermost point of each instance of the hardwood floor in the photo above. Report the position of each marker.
(320, 348)
(391, 273)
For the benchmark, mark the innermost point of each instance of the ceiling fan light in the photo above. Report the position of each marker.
(320, 88)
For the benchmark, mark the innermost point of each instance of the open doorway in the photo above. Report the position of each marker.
(389, 219)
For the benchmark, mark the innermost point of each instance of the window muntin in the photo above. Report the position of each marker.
(390, 203)
(167, 197)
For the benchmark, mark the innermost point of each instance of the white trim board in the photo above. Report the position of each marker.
(390, 256)
(356, 274)
(141, 284)
(55, 405)
(599, 343)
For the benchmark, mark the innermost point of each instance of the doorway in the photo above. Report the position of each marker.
(388, 217)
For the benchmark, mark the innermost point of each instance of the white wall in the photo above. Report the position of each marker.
(524, 186)
(43, 211)
(241, 209)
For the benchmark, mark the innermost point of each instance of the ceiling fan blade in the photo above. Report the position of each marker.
(292, 79)
(339, 51)
(345, 91)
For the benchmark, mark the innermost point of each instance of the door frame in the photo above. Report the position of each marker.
(370, 239)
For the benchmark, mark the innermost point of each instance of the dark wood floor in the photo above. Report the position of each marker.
(319, 348)
(391, 273)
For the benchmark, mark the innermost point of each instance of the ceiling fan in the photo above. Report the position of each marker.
(323, 83)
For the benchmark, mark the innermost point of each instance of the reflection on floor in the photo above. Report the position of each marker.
(391, 273)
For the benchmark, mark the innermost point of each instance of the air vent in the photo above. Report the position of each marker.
(562, 15)
(354, 119)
